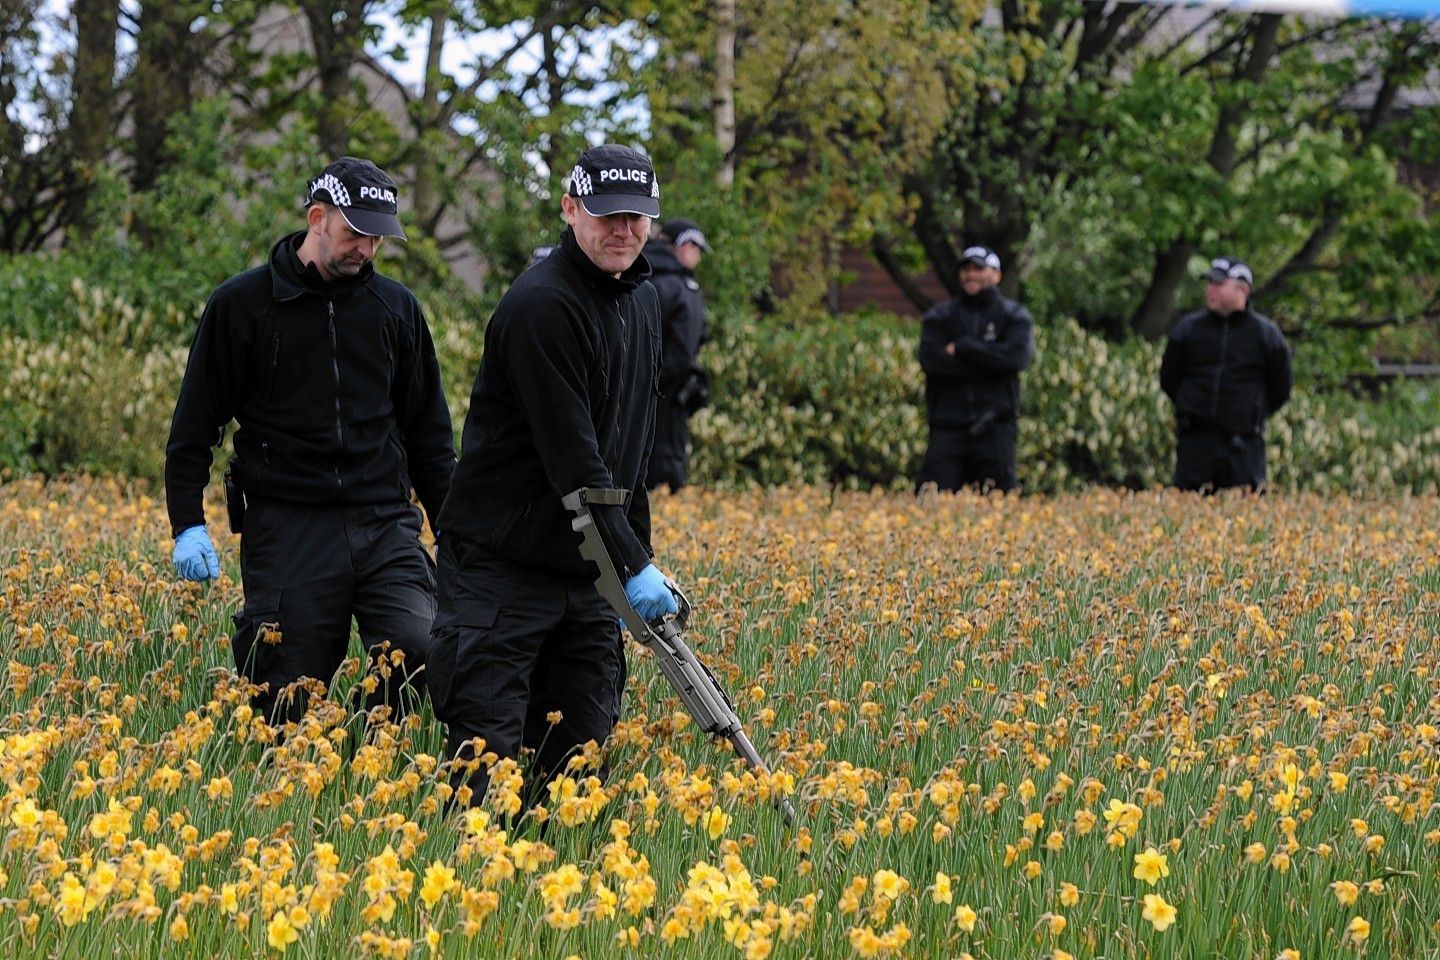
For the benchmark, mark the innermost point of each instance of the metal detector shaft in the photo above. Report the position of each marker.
(698, 689)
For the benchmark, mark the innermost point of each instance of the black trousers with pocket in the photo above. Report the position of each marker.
(523, 659)
(957, 458)
(307, 572)
(1207, 459)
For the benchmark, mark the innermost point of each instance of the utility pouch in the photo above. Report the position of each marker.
(234, 501)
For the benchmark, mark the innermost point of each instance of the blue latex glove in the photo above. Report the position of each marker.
(649, 593)
(195, 556)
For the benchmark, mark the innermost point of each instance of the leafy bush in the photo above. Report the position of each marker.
(834, 401)
(97, 396)
(842, 401)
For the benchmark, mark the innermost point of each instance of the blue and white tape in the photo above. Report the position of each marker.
(1408, 9)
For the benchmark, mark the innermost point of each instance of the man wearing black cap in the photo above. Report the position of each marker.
(972, 349)
(684, 384)
(330, 372)
(526, 655)
(1227, 369)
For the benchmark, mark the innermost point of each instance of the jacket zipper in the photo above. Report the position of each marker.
(1220, 367)
(335, 368)
(274, 364)
(970, 404)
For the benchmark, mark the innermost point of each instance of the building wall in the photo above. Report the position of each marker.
(872, 287)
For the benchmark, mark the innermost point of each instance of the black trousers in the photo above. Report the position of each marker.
(524, 660)
(307, 572)
(956, 459)
(670, 457)
(1207, 459)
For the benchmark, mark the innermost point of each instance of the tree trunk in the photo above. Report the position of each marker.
(337, 32)
(429, 206)
(885, 256)
(161, 83)
(92, 107)
(1152, 318)
(725, 91)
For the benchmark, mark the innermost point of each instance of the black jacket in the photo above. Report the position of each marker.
(1226, 373)
(994, 341)
(564, 399)
(335, 387)
(683, 327)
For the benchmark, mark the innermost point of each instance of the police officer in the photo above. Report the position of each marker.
(526, 654)
(684, 384)
(1227, 369)
(972, 349)
(329, 370)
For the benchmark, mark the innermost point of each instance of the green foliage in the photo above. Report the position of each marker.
(835, 103)
(841, 401)
(829, 401)
(833, 401)
(212, 225)
(97, 396)
(1097, 163)
(1089, 166)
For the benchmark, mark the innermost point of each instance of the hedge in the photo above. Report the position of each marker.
(836, 401)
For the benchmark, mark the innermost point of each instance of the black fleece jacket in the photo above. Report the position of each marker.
(564, 399)
(994, 341)
(683, 327)
(335, 387)
(1226, 373)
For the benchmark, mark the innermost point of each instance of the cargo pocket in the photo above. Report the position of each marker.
(457, 681)
(258, 632)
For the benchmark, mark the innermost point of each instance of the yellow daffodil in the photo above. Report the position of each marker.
(280, 932)
(1151, 865)
(1160, 914)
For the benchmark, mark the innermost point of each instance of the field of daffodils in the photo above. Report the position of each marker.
(1105, 724)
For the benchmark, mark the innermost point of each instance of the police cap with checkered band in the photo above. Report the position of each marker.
(612, 179)
(363, 193)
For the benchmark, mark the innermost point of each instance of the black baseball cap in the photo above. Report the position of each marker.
(1230, 268)
(615, 179)
(683, 230)
(364, 194)
(981, 256)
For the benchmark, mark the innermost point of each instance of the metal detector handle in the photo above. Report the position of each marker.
(701, 693)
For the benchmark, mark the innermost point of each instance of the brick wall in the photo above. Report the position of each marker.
(872, 287)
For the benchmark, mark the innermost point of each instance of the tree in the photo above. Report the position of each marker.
(1022, 122)
(834, 103)
(40, 188)
(462, 143)
(496, 129)
(1103, 149)
(339, 31)
(1249, 52)
(93, 101)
